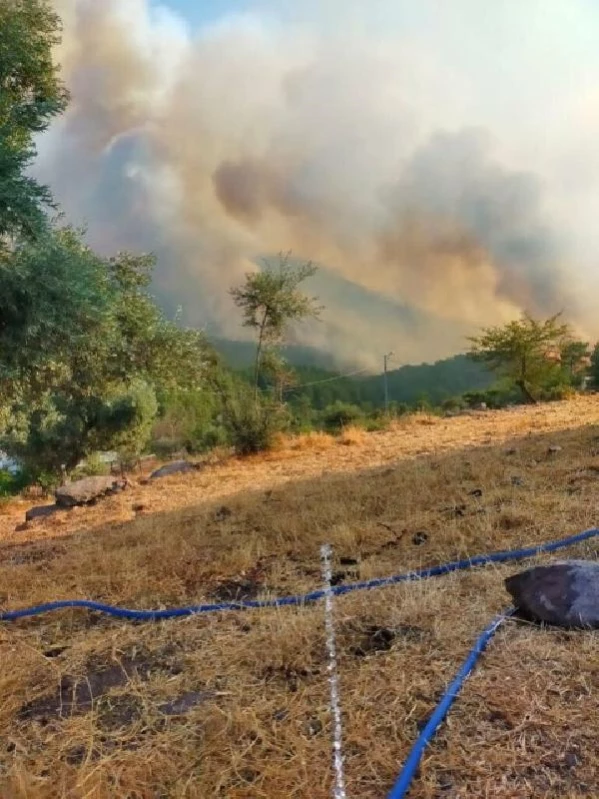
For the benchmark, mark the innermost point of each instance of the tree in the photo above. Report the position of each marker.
(83, 350)
(54, 294)
(271, 300)
(523, 351)
(31, 95)
(575, 358)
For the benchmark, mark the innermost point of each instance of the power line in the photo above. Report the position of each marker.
(327, 380)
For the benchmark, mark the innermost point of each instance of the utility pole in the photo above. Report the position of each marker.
(386, 359)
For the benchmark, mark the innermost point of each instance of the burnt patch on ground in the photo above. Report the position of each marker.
(77, 694)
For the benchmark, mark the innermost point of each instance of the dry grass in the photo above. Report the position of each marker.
(253, 719)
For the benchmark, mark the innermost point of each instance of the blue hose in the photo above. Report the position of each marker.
(401, 787)
(314, 596)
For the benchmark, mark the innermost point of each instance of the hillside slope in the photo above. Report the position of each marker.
(236, 705)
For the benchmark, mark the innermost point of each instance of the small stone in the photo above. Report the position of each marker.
(563, 593)
(554, 449)
(139, 508)
(478, 492)
(517, 481)
(571, 759)
(420, 538)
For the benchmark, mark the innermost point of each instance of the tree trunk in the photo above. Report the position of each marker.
(525, 390)
(259, 354)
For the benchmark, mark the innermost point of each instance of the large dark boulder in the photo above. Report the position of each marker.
(88, 490)
(563, 593)
(177, 467)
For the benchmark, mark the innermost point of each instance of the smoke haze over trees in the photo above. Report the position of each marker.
(382, 144)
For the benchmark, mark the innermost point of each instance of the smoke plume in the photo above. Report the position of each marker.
(260, 134)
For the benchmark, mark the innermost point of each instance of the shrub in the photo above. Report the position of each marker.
(559, 392)
(341, 414)
(93, 465)
(210, 437)
(12, 483)
(453, 404)
(252, 421)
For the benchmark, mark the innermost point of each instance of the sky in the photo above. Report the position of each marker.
(437, 157)
(202, 12)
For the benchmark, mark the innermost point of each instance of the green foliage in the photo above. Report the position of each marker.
(128, 422)
(83, 349)
(453, 404)
(55, 297)
(520, 351)
(31, 94)
(251, 420)
(340, 415)
(188, 419)
(94, 465)
(12, 484)
(575, 361)
(271, 300)
(63, 428)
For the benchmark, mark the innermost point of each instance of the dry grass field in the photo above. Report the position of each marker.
(236, 705)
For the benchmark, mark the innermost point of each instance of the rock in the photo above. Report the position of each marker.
(88, 490)
(177, 467)
(517, 481)
(563, 593)
(41, 512)
(554, 449)
(478, 492)
(420, 538)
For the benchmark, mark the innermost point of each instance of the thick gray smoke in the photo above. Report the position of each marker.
(258, 136)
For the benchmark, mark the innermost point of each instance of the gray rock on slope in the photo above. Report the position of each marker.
(177, 467)
(88, 490)
(563, 593)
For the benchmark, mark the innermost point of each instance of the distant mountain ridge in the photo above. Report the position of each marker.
(321, 381)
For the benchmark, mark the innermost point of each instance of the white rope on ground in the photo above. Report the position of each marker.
(327, 574)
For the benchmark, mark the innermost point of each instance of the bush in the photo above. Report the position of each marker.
(453, 404)
(210, 437)
(557, 393)
(341, 414)
(12, 483)
(93, 465)
(252, 422)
